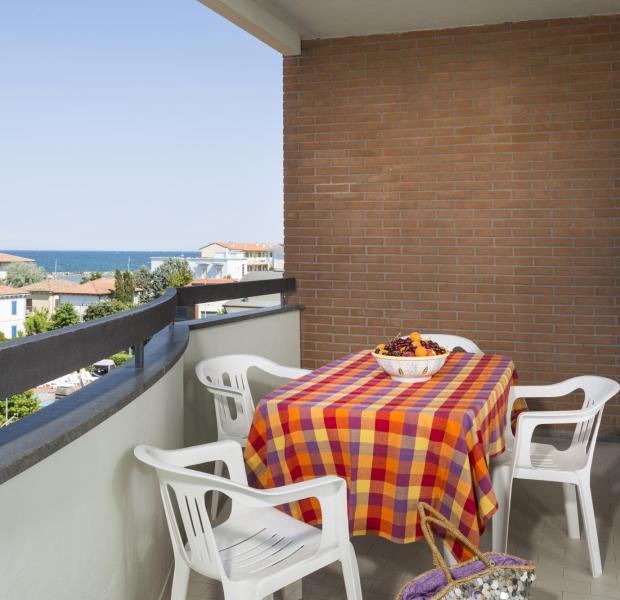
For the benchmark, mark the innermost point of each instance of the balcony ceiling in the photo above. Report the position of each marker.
(283, 23)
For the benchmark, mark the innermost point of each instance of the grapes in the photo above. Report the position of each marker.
(406, 346)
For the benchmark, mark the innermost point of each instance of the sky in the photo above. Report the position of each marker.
(136, 124)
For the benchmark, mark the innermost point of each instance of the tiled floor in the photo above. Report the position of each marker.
(537, 532)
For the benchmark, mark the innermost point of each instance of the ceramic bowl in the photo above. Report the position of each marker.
(411, 369)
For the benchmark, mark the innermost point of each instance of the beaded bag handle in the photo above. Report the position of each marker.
(429, 515)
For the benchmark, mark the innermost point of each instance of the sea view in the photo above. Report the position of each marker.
(79, 261)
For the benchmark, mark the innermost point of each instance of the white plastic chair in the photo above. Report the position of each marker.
(450, 342)
(258, 549)
(571, 467)
(226, 377)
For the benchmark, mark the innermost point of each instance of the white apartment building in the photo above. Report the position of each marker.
(12, 311)
(231, 260)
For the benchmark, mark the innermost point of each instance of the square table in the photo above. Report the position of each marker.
(395, 443)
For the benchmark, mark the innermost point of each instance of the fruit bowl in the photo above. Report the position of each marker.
(410, 359)
(411, 369)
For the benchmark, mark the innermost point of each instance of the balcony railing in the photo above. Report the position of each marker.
(30, 361)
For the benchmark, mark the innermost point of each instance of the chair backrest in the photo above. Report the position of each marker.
(450, 342)
(597, 391)
(183, 494)
(234, 412)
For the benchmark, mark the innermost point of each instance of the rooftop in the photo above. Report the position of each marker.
(6, 290)
(243, 246)
(52, 286)
(11, 258)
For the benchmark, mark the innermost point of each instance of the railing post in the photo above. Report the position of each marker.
(138, 353)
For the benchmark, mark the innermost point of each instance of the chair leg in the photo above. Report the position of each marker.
(351, 574)
(499, 526)
(180, 580)
(589, 525)
(218, 469)
(292, 591)
(572, 512)
(506, 524)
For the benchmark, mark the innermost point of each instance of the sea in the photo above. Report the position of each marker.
(87, 261)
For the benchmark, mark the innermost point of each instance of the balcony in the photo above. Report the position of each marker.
(456, 178)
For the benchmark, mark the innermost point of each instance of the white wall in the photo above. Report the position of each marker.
(8, 320)
(275, 336)
(86, 523)
(81, 302)
(225, 264)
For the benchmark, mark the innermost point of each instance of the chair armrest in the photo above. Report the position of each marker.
(548, 391)
(527, 422)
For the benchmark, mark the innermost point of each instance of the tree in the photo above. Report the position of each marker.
(124, 286)
(104, 308)
(18, 406)
(91, 277)
(173, 272)
(3, 337)
(21, 274)
(143, 277)
(37, 322)
(130, 286)
(64, 316)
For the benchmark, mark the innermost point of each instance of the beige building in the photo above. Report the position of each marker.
(45, 295)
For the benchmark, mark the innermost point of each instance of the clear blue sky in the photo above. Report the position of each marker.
(135, 124)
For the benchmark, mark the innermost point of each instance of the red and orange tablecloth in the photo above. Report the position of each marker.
(395, 443)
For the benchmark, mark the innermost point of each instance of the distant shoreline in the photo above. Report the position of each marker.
(78, 262)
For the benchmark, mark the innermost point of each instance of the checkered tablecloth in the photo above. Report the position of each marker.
(395, 443)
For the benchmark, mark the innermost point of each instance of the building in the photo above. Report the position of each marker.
(205, 309)
(46, 295)
(50, 293)
(12, 311)
(241, 304)
(10, 259)
(231, 260)
(458, 177)
(259, 257)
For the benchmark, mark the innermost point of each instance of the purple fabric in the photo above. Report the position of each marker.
(433, 582)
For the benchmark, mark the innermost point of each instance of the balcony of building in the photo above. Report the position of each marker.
(449, 167)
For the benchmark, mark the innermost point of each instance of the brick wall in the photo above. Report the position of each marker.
(465, 181)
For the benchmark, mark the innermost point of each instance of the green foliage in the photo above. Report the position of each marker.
(120, 358)
(37, 322)
(104, 308)
(91, 277)
(173, 272)
(19, 406)
(64, 316)
(21, 274)
(125, 286)
(143, 277)
(3, 337)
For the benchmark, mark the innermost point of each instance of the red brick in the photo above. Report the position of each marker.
(465, 181)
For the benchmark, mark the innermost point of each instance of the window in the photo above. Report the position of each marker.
(13, 331)
(13, 307)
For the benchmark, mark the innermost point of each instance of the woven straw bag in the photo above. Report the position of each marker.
(488, 576)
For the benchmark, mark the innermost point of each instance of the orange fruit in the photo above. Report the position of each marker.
(420, 351)
(415, 336)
